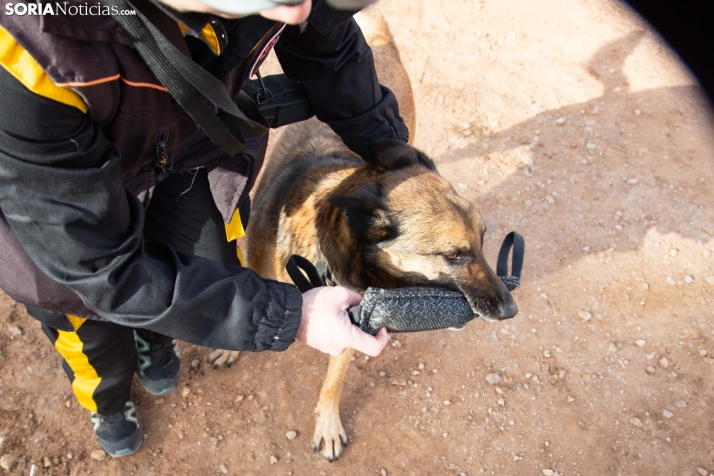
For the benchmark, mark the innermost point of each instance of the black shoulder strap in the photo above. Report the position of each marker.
(189, 84)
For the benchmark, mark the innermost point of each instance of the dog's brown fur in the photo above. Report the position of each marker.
(390, 224)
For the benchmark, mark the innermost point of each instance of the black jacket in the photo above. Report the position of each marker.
(65, 202)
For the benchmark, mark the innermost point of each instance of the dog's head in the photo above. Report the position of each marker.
(407, 226)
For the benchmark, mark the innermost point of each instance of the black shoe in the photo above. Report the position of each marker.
(158, 364)
(120, 433)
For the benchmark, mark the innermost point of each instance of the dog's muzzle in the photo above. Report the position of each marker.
(415, 309)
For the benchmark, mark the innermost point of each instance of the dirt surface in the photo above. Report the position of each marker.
(567, 121)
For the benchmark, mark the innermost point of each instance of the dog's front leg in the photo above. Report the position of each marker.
(328, 427)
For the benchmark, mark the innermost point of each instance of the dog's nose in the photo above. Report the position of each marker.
(508, 308)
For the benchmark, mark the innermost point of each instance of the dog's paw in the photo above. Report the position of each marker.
(220, 357)
(329, 432)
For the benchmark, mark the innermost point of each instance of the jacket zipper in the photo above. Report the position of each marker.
(161, 156)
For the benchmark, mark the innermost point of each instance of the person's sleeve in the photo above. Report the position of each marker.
(333, 62)
(62, 195)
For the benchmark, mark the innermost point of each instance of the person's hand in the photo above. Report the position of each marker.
(326, 326)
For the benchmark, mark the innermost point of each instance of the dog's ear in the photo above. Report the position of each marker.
(366, 213)
(392, 154)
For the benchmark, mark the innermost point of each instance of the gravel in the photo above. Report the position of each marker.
(667, 414)
(640, 342)
(671, 281)
(223, 469)
(636, 422)
(8, 461)
(291, 435)
(98, 455)
(585, 315)
(680, 404)
(493, 378)
(663, 362)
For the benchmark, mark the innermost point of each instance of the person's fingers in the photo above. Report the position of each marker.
(367, 344)
(351, 298)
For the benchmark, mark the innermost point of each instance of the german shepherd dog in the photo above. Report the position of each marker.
(390, 224)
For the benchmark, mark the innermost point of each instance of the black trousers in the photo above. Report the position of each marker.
(100, 357)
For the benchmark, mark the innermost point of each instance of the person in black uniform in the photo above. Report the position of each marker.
(118, 211)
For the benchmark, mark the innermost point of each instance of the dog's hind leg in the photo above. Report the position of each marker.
(328, 427)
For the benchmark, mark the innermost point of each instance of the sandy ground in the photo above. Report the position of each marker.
(567, 121)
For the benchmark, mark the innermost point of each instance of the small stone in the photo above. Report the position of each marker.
(223, 469)
(709, 280)
(703, 352)
(528, 203)
(462, 186)
(2, 442)
(195, 363)
(636, 422)
(273, 460)
(549, 199)
(632, 181)
(547, 354)
(185, 392)
(493, 378)
(680, 404)
(638, 112)
(548, 472)
(383, 472)
(640, 342)
(382, 374)
(688, 279)
(663, 362)
(570, 399)
(46, 462)
(702, 471)
(98, 455)
(447, 402)
(421, 366)
(671, 281)
(501, 402)
(14, 331)
(291, 435)
(560, 121)
(673, 252)
(586, 248)
(181, 435)
(667, 414)
(585, 315)
(8, 461)
(650, 370)
(612, 347)
(239, 398)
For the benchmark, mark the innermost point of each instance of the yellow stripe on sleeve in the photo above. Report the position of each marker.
(18, 62)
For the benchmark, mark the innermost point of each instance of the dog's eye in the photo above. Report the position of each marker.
(452, 256)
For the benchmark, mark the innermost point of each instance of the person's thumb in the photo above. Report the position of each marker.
(367, 344)
(351, 298)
